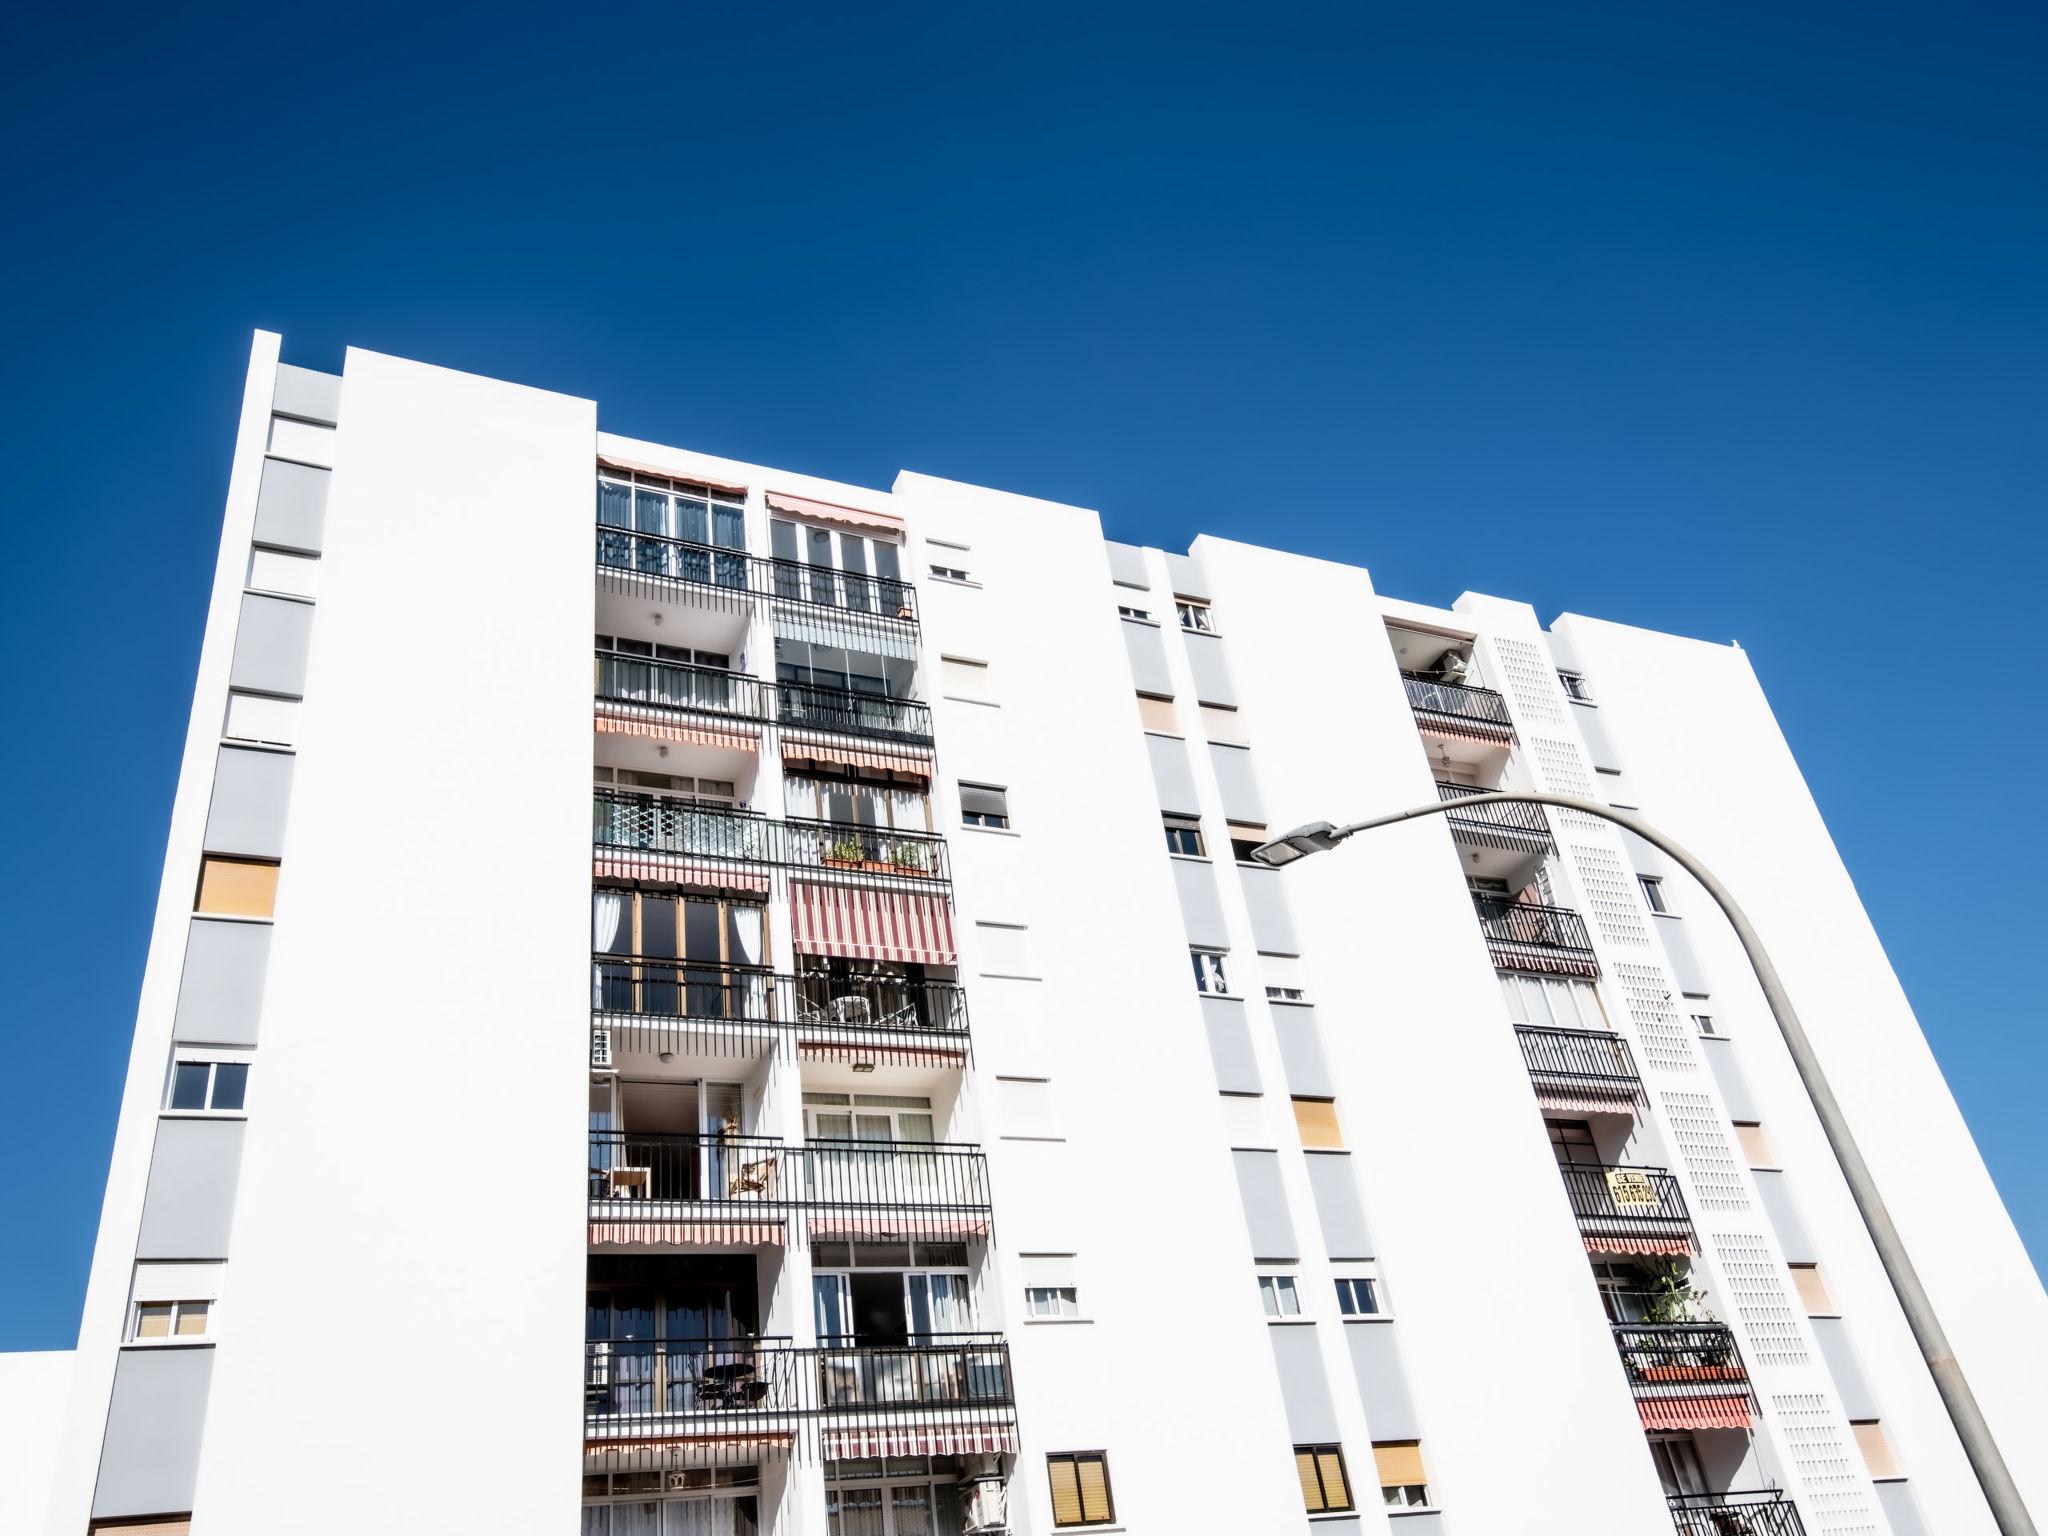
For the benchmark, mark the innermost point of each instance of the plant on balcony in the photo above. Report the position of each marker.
(908, 857)
(1669, 1295)
(845, 851)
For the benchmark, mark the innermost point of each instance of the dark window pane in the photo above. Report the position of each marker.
(230, 1083)
(188, 1085)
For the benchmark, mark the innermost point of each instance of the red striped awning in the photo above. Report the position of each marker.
(862, 924)
(920, 1440)
(867, 755)
(674, 869)
(1707, 1412)
(1662, 1246)
(831, 512)
(743, 1232)
(657, 724)
(1584, 1101)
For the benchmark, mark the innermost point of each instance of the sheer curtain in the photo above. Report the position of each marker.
(698, 1517)
(607, 915)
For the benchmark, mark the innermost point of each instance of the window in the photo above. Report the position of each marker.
(960, 678)
(1133, 613)
(1051, 1301)
(1878, 1459)
(1574, 685)
(1280, 1295)
(1756, 1147)
(1653, 892)
(1209, 975)
(984, 805)
(670, 529)
(1812, 1289)
(1316, 1119)
(1358, 1296)
(1324, 1487)
(207, 1085)
(1224, 724)
(1571, 1141)
(257, 717)
(1402, 1485)
(838, 569)
(1704, 1023)
(1244, 837)
(236, 887)
(949, 573)
(1184, 835)
(1080, 1488)
(169, 1320)
(1286, 995)
(1195, 616)
(1156, 715)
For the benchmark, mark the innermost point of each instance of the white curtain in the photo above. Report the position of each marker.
(698, 1517)
(607, 912)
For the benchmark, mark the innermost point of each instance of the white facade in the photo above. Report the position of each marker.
(900, 1112)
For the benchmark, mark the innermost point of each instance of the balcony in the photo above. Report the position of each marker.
(1580, 1071)
(669, 1189)
(803, 706)
(1504, 826)
(654, 565)
(657, 837)
(1685, 1375)
(665, 700)
(645, 1004)
(1765, 1512)
(660, 1403)
(1525, 936)
(1632, 1211)
(1453, 709)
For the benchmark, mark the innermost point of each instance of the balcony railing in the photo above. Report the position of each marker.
(1458, 710)
(1513, 825)
(1681, 1358)
(642, 683)
(1764, 1512)
(872, 1191)
(1629, 1210)
(644, 562)
(650, 1175)
(647, 1400)
(802, 706)
(685, 835)
(1523, 936)
(1580, 1071)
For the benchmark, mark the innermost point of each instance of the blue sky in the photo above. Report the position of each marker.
(1734, 324)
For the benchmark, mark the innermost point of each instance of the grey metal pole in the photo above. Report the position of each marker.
(2000, 1492)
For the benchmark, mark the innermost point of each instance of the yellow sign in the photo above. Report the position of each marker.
(1626, 1187)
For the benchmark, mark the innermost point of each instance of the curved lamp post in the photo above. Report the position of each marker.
(2000, 1492)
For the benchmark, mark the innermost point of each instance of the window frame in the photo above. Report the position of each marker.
(1066, 1301)
(1190, 826)
(999, 820)
(1196, 615)
(1142, 615)
(212, 1060)
(1209, 968)
(1074, 1459)
(1574, 685)
(175, 1313)
(1346, 1297)
(1315, 1455)
(1276, 1289)
(1652, 887)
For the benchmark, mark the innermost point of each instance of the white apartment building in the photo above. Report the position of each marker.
(692, 1000)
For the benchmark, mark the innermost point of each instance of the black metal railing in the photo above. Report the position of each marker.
(635, 561)
(871, 1191)
(745, 1399)
(1579, 1060)
(708, 834)
(642, 683)
(1515, 825)
(661, 1003)
(1626, 1206)
(1761, 1512)
(648, 1175)
(1524, 936)
(804, 706)
(1678, 1359)
(1469, 711)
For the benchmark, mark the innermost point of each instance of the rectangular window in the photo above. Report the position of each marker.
(1756, 1148)
(1704, 1023)
(236, 887)
(1244, 837)
(207, 1085)
(1051, 1301)
(949, 572)
(1195, 616)
(1224, 725)
(1812, 1289)
(1184, 835)
(984, 805)
(1316, 1119)
(960, 678)
(1156, 715)
(1080, 1488)
(1134, 613)
(1653, 892)
(1878, 1459)
(1574, 685)
(1280, 1295)
(1209, 975)
(1399, 1462)
(1358, 1296)
(1324, 1487)
(169, 1320)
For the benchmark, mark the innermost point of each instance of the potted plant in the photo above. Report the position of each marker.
(908, 858)
(844, 853)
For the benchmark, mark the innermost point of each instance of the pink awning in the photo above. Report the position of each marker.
(674, 869)
(1707, 1412)
(920, 1440)
(869, 1221)
(908, 760)
(687, 477)
(731, 1231)
(829, 512)
(861, 924)
(1561, 1100)
(657, 724)
(1649, 1247)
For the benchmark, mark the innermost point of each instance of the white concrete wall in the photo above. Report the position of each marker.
(402, 1341)
(34, 1388)
(1705, 761)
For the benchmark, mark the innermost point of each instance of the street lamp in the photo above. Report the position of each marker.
(2000, 1492)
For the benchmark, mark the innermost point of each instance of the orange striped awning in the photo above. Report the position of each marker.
(657, 724)
(746, 1231)
(1724, 1411)
(920, 1440)
(861, 924)
(818, 749)
(628, 866)
(832, 512)
(1622, 1243)
(1561, 1099)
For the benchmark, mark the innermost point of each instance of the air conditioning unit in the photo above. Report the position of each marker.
(600, 1047)
(1452, 667)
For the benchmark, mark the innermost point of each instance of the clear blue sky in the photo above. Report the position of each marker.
(1732, 322)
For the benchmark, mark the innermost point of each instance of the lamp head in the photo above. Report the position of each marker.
(1315, 837)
